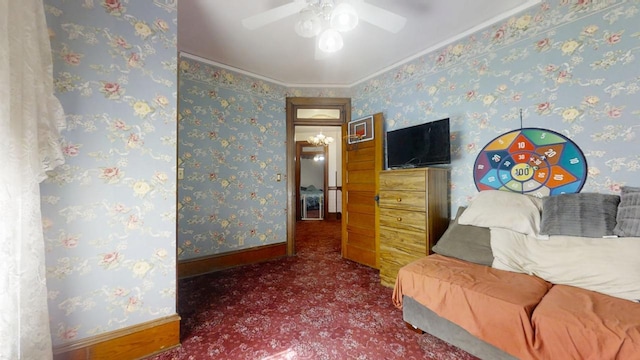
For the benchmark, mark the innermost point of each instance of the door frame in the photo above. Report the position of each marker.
(292, 105)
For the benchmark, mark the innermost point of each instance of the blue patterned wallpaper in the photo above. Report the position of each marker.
(109, 213)
(232, 145)
(569, 66)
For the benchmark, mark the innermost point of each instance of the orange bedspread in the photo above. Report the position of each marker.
(522, 314)
(494, 305)
(573, 323)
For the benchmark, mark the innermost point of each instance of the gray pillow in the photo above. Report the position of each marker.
(466, 242)
(584, 214)
(628, 218)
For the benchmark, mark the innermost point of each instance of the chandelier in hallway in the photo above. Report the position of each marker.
(320, 140)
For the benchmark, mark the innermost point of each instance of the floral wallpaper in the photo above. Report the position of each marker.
(232, 146)
(565, 65)
(568, 65)
(110, 211)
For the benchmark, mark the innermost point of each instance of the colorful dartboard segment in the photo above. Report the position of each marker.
(531, 161)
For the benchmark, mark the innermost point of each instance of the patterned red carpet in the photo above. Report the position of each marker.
(312, 306)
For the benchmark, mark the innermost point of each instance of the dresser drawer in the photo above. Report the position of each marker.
(398, 248)
(403, 180)
(413, 243)
(403, 200)
(403, 220)
(393, 263)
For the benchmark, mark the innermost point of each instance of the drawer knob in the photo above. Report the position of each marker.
(399, 199)
(399, 219)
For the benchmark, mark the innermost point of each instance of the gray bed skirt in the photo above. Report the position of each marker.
(426, 320)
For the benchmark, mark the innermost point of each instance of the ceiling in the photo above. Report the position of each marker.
(212, 31)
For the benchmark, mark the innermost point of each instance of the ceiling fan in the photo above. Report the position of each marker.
(329, 17)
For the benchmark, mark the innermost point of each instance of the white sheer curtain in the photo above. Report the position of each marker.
(30, 120)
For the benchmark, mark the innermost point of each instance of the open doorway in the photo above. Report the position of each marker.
(320, 166)
(307, 117)
(312, 180)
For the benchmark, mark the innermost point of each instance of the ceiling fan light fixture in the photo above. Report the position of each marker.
(330, 41)
(309, 24)
(344, 17)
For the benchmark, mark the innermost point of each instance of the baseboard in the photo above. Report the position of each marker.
(334, 216)
(134, 342)
(213, 263)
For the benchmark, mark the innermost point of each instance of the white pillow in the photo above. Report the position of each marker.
(504, 209)
(608, 266)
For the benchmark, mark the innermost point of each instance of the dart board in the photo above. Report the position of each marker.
(531, 161)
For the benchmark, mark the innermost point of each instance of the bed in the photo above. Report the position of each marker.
(312, 202)
(497, 288)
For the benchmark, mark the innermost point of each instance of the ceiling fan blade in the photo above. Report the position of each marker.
(272, 15)
(379, 17)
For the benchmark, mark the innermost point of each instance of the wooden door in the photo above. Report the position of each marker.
(361, 162)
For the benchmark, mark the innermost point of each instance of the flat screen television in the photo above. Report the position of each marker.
(419, 146)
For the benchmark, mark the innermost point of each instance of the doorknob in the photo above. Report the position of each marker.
(377, 199)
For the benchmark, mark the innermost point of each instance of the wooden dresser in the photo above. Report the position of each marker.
(412, 214)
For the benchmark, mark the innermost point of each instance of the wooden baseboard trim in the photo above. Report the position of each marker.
(213, 263)
(134, 342)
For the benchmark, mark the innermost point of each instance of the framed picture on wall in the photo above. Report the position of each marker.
(360, 130)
